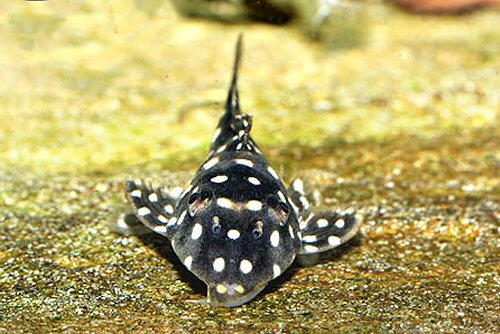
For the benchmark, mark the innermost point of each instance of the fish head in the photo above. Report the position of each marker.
(236, 239)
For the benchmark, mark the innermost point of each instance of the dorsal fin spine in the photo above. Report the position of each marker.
(233, 100)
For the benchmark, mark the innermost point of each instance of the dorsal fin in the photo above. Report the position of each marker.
(233, 100)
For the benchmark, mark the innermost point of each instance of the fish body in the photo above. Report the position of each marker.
(236, 226)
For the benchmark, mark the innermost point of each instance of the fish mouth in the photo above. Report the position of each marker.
(232, 294)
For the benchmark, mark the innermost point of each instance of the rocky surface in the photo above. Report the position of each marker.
(445, 6)
(405, 129)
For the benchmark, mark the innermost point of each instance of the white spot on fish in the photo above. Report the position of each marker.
(219, 264)
(246, 266)
(172, 221)
(162, 219)
(273, 172)
(153, 197)
(224, 203)
(254, 205)
(220, 149)
(244, 162)
(310, 249)
(276, 270)
(340, 223)
(309, 238)
(304, 202)
(181, 217)
(233, 234)
(216, 134)
(169, 209)
(290, 230)
(219, 179)
(281, 196)
(160, 229)
(143, 211)
(136, 193)
(303, 224)
(322, 223)
(275, 238)
(188, 261)
(333, 240)
(210, 163)
(254, 180)
(197, 231)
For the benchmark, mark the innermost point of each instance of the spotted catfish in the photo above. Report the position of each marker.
(236, 226)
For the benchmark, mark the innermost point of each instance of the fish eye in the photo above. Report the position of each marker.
(193, 198)
(273, 201)
(198, 201)
(258, 230)
(192, 203)
(282, 210)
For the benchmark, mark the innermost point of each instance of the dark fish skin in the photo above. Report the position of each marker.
(237, 226)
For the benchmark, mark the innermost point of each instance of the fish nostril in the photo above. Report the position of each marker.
(257, 234)
(258, 230)
(216, 227)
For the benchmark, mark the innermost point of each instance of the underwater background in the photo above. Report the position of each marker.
(394, 114)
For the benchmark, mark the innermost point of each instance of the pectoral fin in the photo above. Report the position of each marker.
(326, 230)
(153, 206)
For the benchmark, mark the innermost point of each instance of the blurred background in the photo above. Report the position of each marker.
(92, 85)
(389, 107)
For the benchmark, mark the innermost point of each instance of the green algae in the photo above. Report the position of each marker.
(31, 28)
(404, 129)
